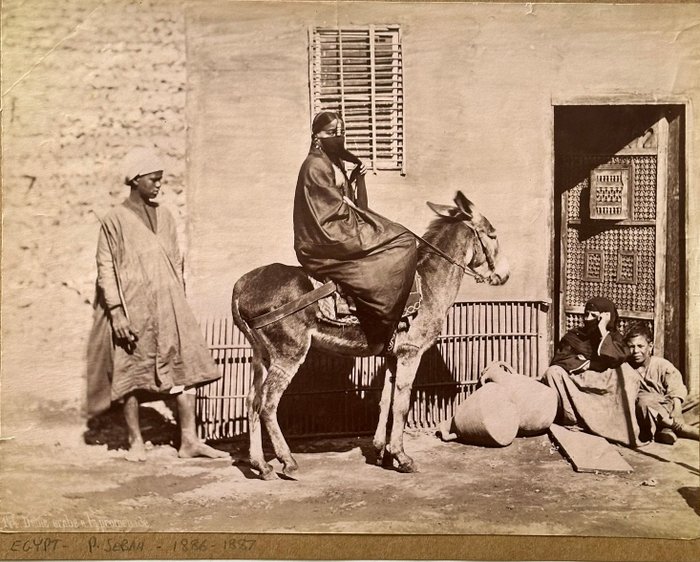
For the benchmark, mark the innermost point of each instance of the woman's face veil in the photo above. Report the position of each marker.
(323, 119)
(601, 304)
(328, 130)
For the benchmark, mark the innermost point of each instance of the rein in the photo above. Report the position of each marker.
(478, 278)
(330, 287)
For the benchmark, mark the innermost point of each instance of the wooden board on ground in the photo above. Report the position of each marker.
(588, 453)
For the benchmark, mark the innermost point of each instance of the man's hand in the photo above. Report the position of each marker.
(122, 329)
(361, 169)
(677, 411)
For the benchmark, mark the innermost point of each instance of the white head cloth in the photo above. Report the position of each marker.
(140, 161)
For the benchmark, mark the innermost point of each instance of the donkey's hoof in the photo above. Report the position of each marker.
(407, 466)
(387, 461)
(379, 450)
(290, 469)
(270, 475)
(266, 471)
(379, 456)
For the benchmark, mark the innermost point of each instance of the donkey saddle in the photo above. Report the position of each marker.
(339, 308)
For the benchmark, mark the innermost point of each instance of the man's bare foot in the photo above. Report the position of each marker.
(198, 449)
(136, 452)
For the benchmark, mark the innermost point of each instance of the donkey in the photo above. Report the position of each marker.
(460, 233)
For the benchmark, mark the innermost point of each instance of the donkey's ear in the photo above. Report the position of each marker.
(443, 210)
(464, 204)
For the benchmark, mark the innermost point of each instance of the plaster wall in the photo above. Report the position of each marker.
(221, 88)
(480, 82)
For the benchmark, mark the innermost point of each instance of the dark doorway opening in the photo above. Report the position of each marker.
(619, 208)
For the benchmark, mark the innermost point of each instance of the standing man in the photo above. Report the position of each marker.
(661, 393)
(145, 339)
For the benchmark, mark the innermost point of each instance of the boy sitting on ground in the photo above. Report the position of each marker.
(661, 393)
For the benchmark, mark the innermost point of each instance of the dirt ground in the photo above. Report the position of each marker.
(52, 479)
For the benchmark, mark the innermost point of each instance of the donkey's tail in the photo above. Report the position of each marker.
(254, 394)
(242, 323)
(237, 317)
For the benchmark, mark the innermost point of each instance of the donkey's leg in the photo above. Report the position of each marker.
(254, 404)
(405, 374)
(379, 441)
(278, 378)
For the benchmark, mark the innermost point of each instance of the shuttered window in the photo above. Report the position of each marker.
(357, 71)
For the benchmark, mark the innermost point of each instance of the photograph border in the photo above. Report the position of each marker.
(15, 545)
(276, 546)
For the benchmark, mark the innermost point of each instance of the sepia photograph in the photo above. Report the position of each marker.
(336, 279)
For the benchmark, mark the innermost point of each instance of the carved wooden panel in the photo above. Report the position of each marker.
(627, 267)
(610, 192)
(593, 266)
(611, 259)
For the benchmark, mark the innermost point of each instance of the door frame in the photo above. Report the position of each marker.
(691, 301)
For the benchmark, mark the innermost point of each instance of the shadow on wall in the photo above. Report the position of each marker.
(599, 130)
(328, 397)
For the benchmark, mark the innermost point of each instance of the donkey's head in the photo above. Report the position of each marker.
(483, 256)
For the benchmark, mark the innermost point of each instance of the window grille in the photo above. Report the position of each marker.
(357, 71)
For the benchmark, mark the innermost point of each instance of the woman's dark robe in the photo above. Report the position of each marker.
(373, 259)
(595, 386)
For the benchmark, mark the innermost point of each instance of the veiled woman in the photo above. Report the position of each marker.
(596, 387)
(372, 259)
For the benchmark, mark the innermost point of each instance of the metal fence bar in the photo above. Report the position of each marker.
(332, 396)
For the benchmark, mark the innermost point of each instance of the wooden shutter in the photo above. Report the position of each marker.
(357, 71)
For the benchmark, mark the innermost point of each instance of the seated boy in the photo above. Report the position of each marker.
(661, 392)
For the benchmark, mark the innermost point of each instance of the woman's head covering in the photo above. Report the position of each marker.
(334, 147)
(322, 120)
(601, 304)
(140, 161)
(584, 340)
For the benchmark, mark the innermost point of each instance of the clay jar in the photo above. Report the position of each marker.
(536, 402)
(487, 417)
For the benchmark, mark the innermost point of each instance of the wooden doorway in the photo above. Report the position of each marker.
(619, 216)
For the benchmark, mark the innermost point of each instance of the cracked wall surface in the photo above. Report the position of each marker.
(83, 81)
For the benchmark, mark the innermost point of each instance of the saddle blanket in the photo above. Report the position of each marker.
(339, 308)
